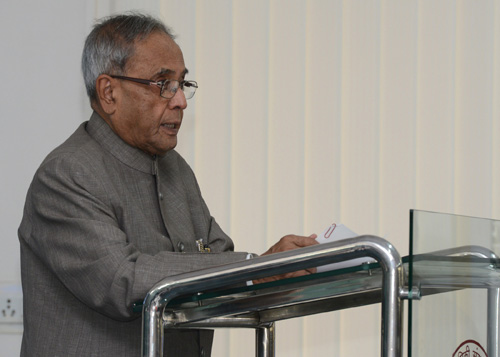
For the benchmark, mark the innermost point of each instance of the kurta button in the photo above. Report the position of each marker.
(202, 352)
(180, 245)
(161, 196)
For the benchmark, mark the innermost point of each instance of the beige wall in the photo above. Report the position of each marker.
(308, 113)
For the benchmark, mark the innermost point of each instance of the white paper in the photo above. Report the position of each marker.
(334, 233)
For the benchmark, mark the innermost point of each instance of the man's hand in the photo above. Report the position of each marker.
(289, 242)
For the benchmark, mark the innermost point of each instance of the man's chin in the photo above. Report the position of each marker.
(164, 150)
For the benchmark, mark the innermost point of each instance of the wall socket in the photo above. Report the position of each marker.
(11, 308)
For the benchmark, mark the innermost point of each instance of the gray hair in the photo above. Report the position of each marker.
(110, 45)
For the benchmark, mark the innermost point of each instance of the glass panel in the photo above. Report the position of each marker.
(451, 316)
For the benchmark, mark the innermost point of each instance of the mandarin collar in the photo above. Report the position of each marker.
(133, 157)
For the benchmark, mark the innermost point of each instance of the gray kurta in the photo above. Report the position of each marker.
(104, 222)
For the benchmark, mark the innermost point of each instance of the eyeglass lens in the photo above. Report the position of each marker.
(170, 88)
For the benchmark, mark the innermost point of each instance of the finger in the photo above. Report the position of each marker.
(297, 274)
(291, 242)
(266, 280)
(312, 270)
(301, 241)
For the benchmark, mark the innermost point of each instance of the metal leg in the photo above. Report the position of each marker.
(152, 329)
(392, 329)
(392, 312)
(264, 341)
(493, 322)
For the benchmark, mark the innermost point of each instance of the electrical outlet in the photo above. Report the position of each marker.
(11, 308)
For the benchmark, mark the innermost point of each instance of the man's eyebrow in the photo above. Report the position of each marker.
(166, 71)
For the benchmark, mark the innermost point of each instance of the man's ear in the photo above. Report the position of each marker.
(106, 93)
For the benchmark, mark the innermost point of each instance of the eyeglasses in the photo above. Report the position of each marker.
(168, 87)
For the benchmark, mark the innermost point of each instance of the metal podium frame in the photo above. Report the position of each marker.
(389, 292)
(384, 282)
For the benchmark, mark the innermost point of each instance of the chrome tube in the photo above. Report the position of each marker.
(467, 250)
(392, 315)
(264, 341)
(152, 328)
(493, 340)
(227, 275)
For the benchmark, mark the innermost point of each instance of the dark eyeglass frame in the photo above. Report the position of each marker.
(163, 85)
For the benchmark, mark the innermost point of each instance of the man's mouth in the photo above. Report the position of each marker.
(169, 126)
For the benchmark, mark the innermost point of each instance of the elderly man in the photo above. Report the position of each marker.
(115, 209)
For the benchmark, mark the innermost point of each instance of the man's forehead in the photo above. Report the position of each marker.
(158, 54)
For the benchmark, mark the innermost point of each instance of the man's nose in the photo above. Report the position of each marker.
(178, 100)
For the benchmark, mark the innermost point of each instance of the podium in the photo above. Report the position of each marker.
(219, 296)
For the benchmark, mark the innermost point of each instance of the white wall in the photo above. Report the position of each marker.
(41, 104)
(309, 112)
